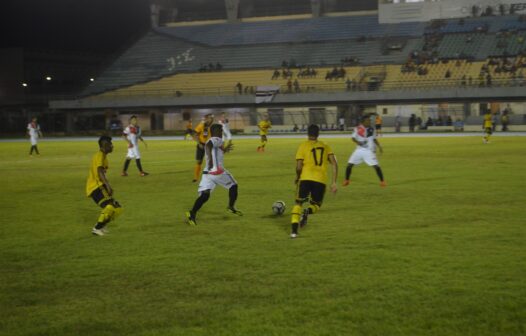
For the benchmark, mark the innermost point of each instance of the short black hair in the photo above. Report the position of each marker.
(133, 116)
(216, 128)
(103, 139)
(313, 130)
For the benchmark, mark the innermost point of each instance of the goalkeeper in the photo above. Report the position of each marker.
(99, 189)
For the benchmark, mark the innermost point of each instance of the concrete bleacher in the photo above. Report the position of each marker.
(296, 30)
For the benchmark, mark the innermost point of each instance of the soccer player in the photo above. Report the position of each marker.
(201, 135)
(312, 160)
(214, 174)
(99, 189)
(488, 127)
(378, 124)
(132, 134)
(33, 131)
(223, 120)
(263, 126)
(365, 139)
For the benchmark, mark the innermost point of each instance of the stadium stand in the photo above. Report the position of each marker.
(167, 60)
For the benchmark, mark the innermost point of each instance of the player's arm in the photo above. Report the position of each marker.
(378, 145)
(359, 143)
(299, 169)
(228, 148)
(334, 164)
(102, 175)
(208, 151)
(125, 137)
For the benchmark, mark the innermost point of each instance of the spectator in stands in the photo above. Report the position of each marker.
(296, 86)
(251, 90)
(448, 74)
(470, 80)
(488, 80)
(463, 81)
(245, 90)
(211, 66)
(341, 123)
(429, 122)
(449, 121)
(412, 122)
(295, 128)
(419, 123)
(504, 119)
(239, 87)
(275, 75)
(289, 86)
(348, 84)
(219, 67)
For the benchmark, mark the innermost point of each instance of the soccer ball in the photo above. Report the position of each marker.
(278, 208)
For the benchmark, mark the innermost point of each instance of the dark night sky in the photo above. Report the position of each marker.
(101, 26)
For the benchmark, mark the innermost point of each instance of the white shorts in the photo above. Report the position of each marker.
(34, 141)
(209, 181)
(133, 153)
(361, 154)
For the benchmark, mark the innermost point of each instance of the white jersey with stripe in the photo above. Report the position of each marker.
(133, 133)
(33, 129)
(216, 151)
(365, 136)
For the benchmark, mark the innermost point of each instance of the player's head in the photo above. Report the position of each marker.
(209, 119)
(216, 130)
(313, 131)
(105, 144)
(34, 119)
(366, 120)
(133, 120)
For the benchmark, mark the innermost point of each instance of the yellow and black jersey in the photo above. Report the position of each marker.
(264, 125)
(315, 156)
(94, 181)
(487, 121)
(203, 132)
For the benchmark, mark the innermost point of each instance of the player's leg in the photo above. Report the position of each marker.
(380, 175)
(263, 142)
(227, 181)
(487, 134)
(356, 158)
(111, 209)
(206, 186)
(302, 194)
(126, 165)
(199, 155)
(317, 192)
(32, 149)
(372, 161)
(138, 162)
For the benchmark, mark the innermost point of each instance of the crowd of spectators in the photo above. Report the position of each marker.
(336, 73)
(211, 67)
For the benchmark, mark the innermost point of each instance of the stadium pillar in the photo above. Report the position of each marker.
(232, 10)
(316, 8)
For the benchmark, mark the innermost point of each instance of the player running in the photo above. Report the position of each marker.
(365, 139)
(99, 189)
(214, 174)
(201, 134)
(488, 127)
(312, 161)
(264, 125)
(132, 135)
(33, 131)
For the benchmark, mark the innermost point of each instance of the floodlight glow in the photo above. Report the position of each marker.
(24, 84)
(92, 79)
(48, 78)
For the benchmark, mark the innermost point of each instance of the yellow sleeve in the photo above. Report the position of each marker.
(300, 154)
(200, 128)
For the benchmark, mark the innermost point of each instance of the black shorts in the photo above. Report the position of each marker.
(199, 152)
(310, 190)
(102, 197)
(378, 127)
(488, 130)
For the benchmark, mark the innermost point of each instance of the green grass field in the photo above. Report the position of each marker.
(440, 251)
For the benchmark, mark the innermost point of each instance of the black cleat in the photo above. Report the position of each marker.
(234, 211)
(303, 219)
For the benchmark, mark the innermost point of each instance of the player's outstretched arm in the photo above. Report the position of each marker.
(229, 147)
(334, 164)
(208, 151)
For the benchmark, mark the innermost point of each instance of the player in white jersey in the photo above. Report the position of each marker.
(227, 136)
(365, 138)
(33, 131)
(214, 173)
(132, 135)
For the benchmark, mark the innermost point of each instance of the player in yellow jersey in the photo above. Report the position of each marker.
(488, 127)
(189, 130)
(201, 135)
(312, 159)
(263, 126)
(99, 189)
(378, 124)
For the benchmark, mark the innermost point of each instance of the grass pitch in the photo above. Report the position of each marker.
(440, 251)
